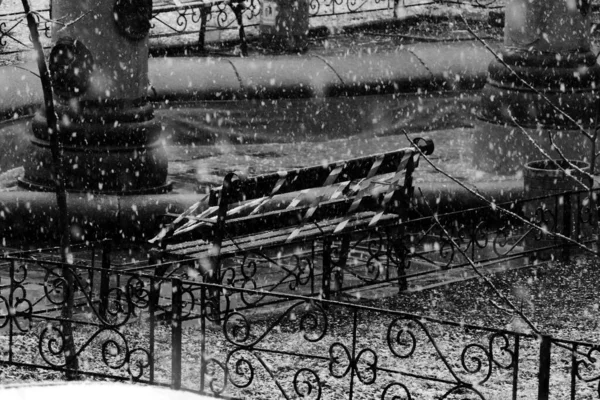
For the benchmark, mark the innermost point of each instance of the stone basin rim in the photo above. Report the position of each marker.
(418, 68)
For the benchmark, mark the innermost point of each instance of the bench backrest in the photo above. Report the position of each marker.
(246, 205)
(320, 176)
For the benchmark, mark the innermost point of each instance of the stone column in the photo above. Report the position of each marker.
(99, 68)
(546, 42)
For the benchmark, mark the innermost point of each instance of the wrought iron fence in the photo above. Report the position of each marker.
(282, 337)
(189, 22)
(407, 254)
(14, 34)
(164, 331)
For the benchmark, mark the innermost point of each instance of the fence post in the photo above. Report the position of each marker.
(91, 274)
(326, 278)
(397, 249)
(577, 215)
(544, 374)
(176, 334)
(202, 33)
(202, 337)
(152, 322)
(105, 277)
(515, 382)
(567, 230)
(154, 260)
(573, 371)
(342, 262)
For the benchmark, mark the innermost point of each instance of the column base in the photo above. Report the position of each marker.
(560, 97)
(504, 149)
(106, 149)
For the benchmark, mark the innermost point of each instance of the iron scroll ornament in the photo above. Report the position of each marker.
(71, 65)
(133, 18)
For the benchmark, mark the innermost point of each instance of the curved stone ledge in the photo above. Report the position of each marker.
(410, 69)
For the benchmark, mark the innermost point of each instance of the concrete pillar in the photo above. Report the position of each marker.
(99, 68)
(546, 42)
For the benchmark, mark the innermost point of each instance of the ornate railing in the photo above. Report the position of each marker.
(269, 330)
(415, 252)
(14, 35)
(165, 331)
(190, 20)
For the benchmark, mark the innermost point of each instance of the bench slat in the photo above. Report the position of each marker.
(346, 188)
(275, 238)
(318, 176)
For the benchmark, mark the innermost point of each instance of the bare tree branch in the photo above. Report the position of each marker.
(494, 206)
(487, 281)
(527, 84)
(547, 156)
(27, 70)
(61, 196)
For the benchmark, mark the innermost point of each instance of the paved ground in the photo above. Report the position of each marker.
(448, 120)
(201, 151)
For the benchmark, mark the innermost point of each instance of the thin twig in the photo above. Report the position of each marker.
(493, 204)
(499, 307)
(476, 270)
(546, 155)
(68, 24)
(28, 70)
(524, 82)
(61, 194)
(59, 22)
(565, 159)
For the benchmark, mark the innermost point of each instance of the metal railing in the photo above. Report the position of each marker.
(403, 253)
(284, 337)
(164, 332)
(190, 21)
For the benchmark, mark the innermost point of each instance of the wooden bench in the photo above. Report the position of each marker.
(325, 203)
(204, 7)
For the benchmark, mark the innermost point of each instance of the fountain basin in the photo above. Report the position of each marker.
(424, 71)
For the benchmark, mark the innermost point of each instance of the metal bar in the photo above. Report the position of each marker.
(186, 6)
(402, 256)
(473, 239)
(388, 256)
(152, 311)
(10, 300)
(176, 334)
(577, 234)
(118, 292)
(395, 236)
(218, 233)
(515, 383)
(154, 262)
(312, 267)
(573, 371)
(237, 10)
(91, 273)
(326, 278)
(567, 230)
(10, 14)
(202, 338)
(342, 261)
(544, 373)
(353, 362)
(105, 277)
(202, 32)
